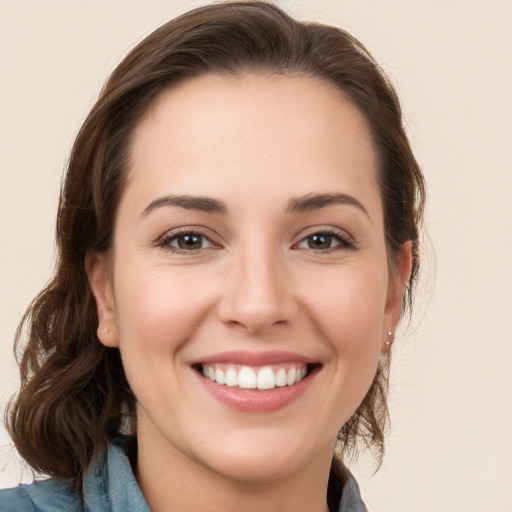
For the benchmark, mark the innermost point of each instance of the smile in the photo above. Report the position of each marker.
(247, 377)
(256, 382)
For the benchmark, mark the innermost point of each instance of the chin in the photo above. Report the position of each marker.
(256, 468)
(261, 458)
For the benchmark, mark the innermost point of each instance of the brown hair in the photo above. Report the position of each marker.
(74, 395)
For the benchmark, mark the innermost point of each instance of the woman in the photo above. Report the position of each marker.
(238, 238)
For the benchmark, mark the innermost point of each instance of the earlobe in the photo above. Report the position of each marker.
(100, 280)
(397, 286)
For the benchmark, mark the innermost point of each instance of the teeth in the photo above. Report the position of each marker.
(281, 377)
(300, 374)
(249, 378)
(231, 377)
(290, 377)
(219, 376)
(266, 379)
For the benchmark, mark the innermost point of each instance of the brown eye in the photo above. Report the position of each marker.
(189, 242)
(320, 241)
(186, 242)
(326, 241)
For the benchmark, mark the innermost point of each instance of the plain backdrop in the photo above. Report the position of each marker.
(450, 447)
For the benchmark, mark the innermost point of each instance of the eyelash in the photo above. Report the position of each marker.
(344, 241)
(166, 242)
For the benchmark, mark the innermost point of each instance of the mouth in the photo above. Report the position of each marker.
(263, 378)
(256, 382)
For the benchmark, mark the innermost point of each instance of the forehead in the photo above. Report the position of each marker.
(299, 133)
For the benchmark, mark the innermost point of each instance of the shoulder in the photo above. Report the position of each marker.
(15, 499)
(43, 496)
(109, 485)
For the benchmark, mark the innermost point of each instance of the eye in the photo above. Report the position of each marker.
(186, 242)
(325, 241)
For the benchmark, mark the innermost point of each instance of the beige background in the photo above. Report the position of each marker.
(450, 447)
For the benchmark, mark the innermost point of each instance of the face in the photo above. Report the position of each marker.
(248, 288)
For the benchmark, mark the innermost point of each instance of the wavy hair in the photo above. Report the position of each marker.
(74, 394)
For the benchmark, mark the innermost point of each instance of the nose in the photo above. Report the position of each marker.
(257, 293)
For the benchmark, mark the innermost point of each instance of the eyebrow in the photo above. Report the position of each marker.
(310, 202)
(304, 203)
(203, 204)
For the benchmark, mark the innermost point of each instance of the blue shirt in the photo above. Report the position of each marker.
(111, 486)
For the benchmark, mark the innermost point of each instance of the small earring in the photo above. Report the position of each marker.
(391, 338)
(104, 330)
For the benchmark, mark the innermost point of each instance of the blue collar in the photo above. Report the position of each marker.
(111, 486)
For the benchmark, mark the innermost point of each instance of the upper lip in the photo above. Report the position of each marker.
(248, 358)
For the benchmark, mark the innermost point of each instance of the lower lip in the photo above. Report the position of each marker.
(252, 400)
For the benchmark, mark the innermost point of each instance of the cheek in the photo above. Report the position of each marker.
(158, 310)
(157, 313)
(349, 314)
(349, 309)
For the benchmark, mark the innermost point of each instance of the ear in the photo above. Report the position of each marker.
(397, 285)
(97, 267)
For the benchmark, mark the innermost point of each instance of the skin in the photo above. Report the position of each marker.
(256, 281)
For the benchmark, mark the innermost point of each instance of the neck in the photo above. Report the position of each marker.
(170, 480)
